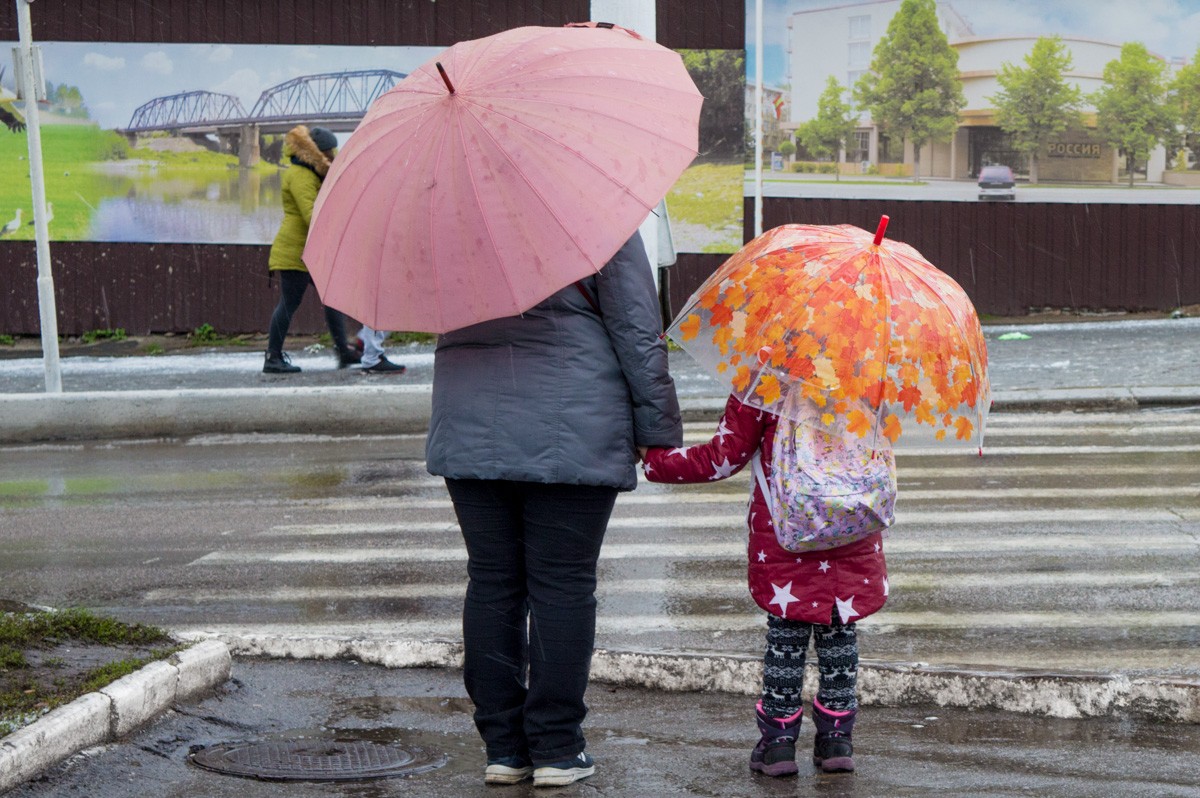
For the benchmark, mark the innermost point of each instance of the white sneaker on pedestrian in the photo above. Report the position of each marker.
(569, 771)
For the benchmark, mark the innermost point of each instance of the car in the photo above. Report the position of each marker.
(996, 182)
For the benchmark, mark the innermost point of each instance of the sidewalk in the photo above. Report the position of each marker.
(1115, 365)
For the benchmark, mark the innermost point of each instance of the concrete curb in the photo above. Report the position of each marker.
(1060, 695)
(113, 712)
(395, 409)
(356, 409)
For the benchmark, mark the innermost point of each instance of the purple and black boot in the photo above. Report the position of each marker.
(833, 752)
(775, 754)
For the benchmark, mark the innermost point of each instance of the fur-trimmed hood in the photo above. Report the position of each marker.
(299, 144)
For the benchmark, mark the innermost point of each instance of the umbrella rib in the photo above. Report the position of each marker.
(965, 337)
(552, 211)
(582, 158)
(377, 175)
(479, 203)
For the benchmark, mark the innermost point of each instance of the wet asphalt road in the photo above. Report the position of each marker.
(645, 744)
(1071, 544)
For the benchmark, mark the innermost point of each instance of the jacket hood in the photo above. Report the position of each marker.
(300, 145)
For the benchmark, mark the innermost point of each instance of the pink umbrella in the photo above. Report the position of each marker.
(475, 193)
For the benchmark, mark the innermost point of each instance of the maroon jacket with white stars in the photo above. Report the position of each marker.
(850, 580)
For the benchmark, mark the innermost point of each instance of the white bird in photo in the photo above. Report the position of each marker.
(13, 225)
(49, 214)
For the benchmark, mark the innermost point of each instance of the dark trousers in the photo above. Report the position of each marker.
(292, 285)
(529, 619)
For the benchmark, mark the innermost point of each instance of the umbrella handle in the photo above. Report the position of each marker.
(883, 220)
(446, 78)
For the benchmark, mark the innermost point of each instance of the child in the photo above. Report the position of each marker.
(806, 594)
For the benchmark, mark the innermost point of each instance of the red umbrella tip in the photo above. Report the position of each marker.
(883, 221)
(446, 78)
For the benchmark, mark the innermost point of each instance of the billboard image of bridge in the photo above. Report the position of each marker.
(182, 143)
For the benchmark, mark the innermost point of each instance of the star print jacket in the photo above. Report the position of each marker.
(845, 583)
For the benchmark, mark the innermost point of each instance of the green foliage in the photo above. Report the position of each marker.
(912, 88)
(74, 624)
(152, 349)
(1132, 110)
(92, 336)
(1036, 103)
(204, 334)
(720, 77)
(786, 147)
(403, 338)
(7, 340)
(115, 147)
(207, 335)
(1185, 97)
(12, 658)
(817, 167)
(825, 135)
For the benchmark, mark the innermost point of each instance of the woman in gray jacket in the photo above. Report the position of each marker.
(536, 423)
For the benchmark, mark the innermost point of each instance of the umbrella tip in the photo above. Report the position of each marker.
(445, 78)
(883, 222)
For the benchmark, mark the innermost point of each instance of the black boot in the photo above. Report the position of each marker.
(349, 357)
(832, 751)
(278, 363)
(775, 754)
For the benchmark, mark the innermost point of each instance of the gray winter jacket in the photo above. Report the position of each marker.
(558, 394)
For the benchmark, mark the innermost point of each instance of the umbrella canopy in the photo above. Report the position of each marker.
(831, 325)
(496, 174)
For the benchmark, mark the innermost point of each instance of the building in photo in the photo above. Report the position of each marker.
(839, 40)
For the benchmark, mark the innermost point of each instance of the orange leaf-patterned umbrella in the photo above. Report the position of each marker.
(862, 328)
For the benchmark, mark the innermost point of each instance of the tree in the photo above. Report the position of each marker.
(1185, 98)
(826, 134)
(720, 76)
(1036, 103)
(912, 87)
(1132, 110)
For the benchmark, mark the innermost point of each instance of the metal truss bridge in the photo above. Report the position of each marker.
(337, 100)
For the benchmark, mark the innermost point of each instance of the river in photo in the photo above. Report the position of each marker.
(240, 207)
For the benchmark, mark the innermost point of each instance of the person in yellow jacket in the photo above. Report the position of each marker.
(311, 151)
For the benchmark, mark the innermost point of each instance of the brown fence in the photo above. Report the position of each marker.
(1014, 257)
(1009, 257)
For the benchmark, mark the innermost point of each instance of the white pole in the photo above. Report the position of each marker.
(33, 131)
(640, 16)
(758, 114)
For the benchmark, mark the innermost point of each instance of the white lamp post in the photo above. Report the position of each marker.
(29, 89)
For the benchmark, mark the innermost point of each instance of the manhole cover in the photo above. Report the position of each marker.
(315, 760)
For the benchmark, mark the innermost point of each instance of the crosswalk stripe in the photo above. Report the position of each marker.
(882, 622)
(957, 518)
(453, 551)
(675, 588)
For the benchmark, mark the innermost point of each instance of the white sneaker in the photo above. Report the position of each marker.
(566, 772)
(509, 770)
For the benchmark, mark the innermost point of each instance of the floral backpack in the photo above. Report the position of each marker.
(826, 489)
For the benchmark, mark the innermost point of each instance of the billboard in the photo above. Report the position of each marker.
(817, 53)
(182, 143)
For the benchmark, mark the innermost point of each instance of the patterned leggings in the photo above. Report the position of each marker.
(783, 665)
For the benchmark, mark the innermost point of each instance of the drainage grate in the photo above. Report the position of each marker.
(315, 760)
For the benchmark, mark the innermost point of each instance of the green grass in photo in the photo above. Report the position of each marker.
(709, 196)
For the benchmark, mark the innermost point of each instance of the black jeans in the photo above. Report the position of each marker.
(292, 285)
(529, 619)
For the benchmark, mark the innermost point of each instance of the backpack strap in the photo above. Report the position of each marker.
(591, 300)
(760, 476)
